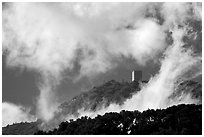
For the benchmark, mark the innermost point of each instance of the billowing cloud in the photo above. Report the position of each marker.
(51, 37)
(12, 113)
(178, 63)
(45, 38)
(175, 68)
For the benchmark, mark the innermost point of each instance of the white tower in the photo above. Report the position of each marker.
(133, 75)
(136, 75)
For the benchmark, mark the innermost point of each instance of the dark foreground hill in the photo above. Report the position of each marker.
(178, 120)
(181, 119)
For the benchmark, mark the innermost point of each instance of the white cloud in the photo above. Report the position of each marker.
(175, 68)
(178, 64)
(12, 113)
(45, 37)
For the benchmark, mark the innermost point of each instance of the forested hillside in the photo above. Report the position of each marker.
(178, 120)
(117, 93)
(110, 92)
(174, 120)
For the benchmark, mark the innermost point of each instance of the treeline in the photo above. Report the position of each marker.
(178, 120)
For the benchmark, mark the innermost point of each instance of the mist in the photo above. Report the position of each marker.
(49, 38)
(12, 113)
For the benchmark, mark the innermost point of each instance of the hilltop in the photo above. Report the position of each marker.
(104, 95)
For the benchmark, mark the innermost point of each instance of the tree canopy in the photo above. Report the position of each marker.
(179, 120)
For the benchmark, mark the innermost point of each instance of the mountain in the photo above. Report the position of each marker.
(110, 92)
(118, 93)
(191, 87)
(104, 95)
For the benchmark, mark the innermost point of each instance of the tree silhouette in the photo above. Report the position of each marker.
(181, 119)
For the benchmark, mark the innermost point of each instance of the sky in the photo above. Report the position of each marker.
(55, 51)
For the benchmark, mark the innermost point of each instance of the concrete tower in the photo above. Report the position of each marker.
(136, 75)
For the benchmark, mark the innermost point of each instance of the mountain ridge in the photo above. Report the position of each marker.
(112, 91)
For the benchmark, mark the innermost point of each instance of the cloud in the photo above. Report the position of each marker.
(177, 64)
(175, 68)
(45, 38)
(12, 113)
(51, 37)
(177, 13)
